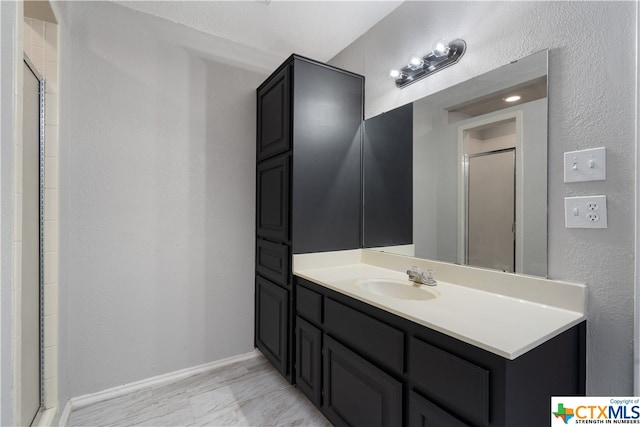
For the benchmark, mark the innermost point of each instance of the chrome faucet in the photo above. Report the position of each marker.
(422, 278)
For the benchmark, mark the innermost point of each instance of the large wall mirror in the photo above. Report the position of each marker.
(460, 176)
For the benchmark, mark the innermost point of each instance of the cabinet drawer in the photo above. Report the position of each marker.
(373, 339)
(272, 261)
(423, 413)
(456, 384)
(356, 393)
(309, 305)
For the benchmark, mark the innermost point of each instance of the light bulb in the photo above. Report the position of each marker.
(415, 62)
(440, 48)
(512, 98)
(395, 74)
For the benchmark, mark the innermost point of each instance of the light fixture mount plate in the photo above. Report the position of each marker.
(432, 64)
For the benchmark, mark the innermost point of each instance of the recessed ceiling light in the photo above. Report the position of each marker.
(513, 98)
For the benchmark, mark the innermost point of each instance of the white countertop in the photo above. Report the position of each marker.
(504, 325)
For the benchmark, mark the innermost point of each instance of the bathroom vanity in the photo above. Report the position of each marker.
(363, 343)
(464, 356)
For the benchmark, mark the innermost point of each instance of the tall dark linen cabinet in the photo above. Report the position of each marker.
(308, 186)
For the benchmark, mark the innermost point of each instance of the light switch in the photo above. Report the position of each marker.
(585, 212)
(585, 165)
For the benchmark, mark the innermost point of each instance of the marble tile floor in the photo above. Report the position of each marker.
(245, 393)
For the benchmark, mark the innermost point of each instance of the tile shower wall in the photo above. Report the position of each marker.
(40, 40)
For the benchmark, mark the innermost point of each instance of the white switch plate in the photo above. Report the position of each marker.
(585, 165)
(585, 212)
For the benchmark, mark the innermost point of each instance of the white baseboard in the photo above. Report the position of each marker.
(89, 399)
(64, 417)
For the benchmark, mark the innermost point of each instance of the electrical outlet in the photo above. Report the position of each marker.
(585, 212)
(593, 217)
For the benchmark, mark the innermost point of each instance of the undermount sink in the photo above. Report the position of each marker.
(397, 289)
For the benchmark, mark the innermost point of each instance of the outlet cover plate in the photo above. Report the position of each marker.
(585, 212)
(585, 165)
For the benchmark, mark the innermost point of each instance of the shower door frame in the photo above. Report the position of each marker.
(41, 169)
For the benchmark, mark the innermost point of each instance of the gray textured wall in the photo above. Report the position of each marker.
(591, 104)
(157, 150)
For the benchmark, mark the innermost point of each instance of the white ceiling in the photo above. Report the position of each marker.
(276, 28)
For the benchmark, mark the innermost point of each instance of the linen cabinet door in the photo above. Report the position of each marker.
(271, 328)
(357, 393)
(274, 115)
(273, 196)
(309, 360)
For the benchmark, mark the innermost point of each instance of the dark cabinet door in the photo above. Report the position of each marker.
(272, 313)
(273, 199)
(309, 360)
(356, 393)
(274, 118)
(423, 413)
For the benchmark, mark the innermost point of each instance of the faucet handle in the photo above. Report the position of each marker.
(413, 272)
(429, 278)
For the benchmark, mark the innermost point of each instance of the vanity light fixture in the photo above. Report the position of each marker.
(442, 56)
